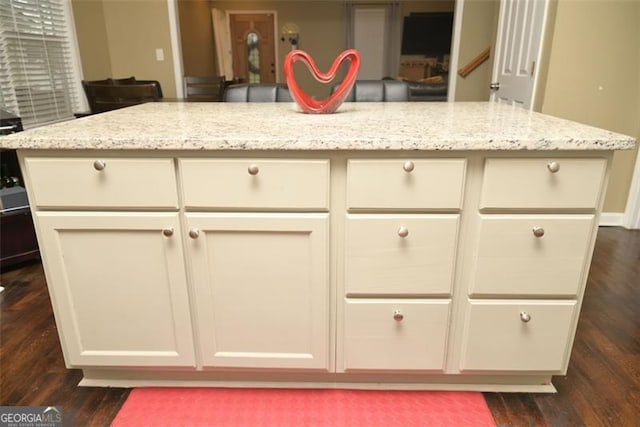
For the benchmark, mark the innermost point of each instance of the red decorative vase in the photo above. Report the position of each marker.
(331, 104)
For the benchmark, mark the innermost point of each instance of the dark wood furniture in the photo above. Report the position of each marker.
(126, 81)
(17, 236)
(209, 89)
(111, 94)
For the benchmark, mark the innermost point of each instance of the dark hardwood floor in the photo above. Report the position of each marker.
(601, 388)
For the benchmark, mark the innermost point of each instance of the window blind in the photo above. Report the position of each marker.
(36, 68)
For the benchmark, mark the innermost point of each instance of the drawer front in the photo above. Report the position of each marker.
(512, 260)
(498, 339)
(255, 184)
(400, 254)
(395, 334)
(102, 183)
(532, 184)
(431, 184)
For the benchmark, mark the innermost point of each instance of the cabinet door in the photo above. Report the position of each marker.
(261, 287)
(118, 287)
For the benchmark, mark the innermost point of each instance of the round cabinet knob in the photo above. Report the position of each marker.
(525, 317)
(538, 231)
(397, 316)
(408, 166)
(168, 232)
(553, 167)
(403, 231)
(194, 233)
(253, 169)
(99, 165)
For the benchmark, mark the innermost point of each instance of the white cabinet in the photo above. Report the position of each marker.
(261, 289)
(260, 279)
(255, 184)
(518, 335)
(410, 253)
(118, 287)
(104, 183)
(409, 185)
(543, 183)
(400, 254)
(395, 335)
(531, 255)
(460, 269)
(534, 238)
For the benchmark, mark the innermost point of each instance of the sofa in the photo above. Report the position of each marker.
(427, 92)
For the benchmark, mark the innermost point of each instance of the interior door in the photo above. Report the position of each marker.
(253, 46)
(369, 38)
(518, 49)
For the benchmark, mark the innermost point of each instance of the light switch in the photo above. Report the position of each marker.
(159, 54)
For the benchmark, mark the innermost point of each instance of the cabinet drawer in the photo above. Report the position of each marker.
(498, 339)
(511, 260)
(116, 183)
(395, 334)
(531, 184)
(400, 254)
(255, 184)
(429, 184)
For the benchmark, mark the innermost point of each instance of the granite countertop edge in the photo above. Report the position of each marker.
(361, 127)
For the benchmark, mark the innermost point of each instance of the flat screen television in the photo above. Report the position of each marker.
(427, 33)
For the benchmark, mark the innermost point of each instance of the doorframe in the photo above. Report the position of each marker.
(631, 218)
(276, 25)
(458, 11)
(176, 46)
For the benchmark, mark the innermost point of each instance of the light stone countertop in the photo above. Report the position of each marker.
(356, 126)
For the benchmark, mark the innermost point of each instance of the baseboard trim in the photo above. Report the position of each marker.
(611, 219)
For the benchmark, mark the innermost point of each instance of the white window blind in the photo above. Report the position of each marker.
(36, 69)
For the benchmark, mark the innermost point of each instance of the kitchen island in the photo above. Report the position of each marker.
(389, 245)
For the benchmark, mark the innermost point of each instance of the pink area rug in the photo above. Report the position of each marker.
(226, 407)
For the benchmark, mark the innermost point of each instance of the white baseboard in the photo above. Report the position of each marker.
(611, 219)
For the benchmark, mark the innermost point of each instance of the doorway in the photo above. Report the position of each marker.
(253, 46)
(518, 51)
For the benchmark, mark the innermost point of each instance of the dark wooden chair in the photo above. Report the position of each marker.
(125, 81)
(204, 88)
(107, 97)
(258, 92)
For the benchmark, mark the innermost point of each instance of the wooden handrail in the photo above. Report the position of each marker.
(475, 62)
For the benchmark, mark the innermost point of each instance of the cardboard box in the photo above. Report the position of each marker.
(417, 69)
(413, 70)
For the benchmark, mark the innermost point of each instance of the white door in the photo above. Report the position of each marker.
(369, 38)
(261, 285)
(118, 286)
(518, 51)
